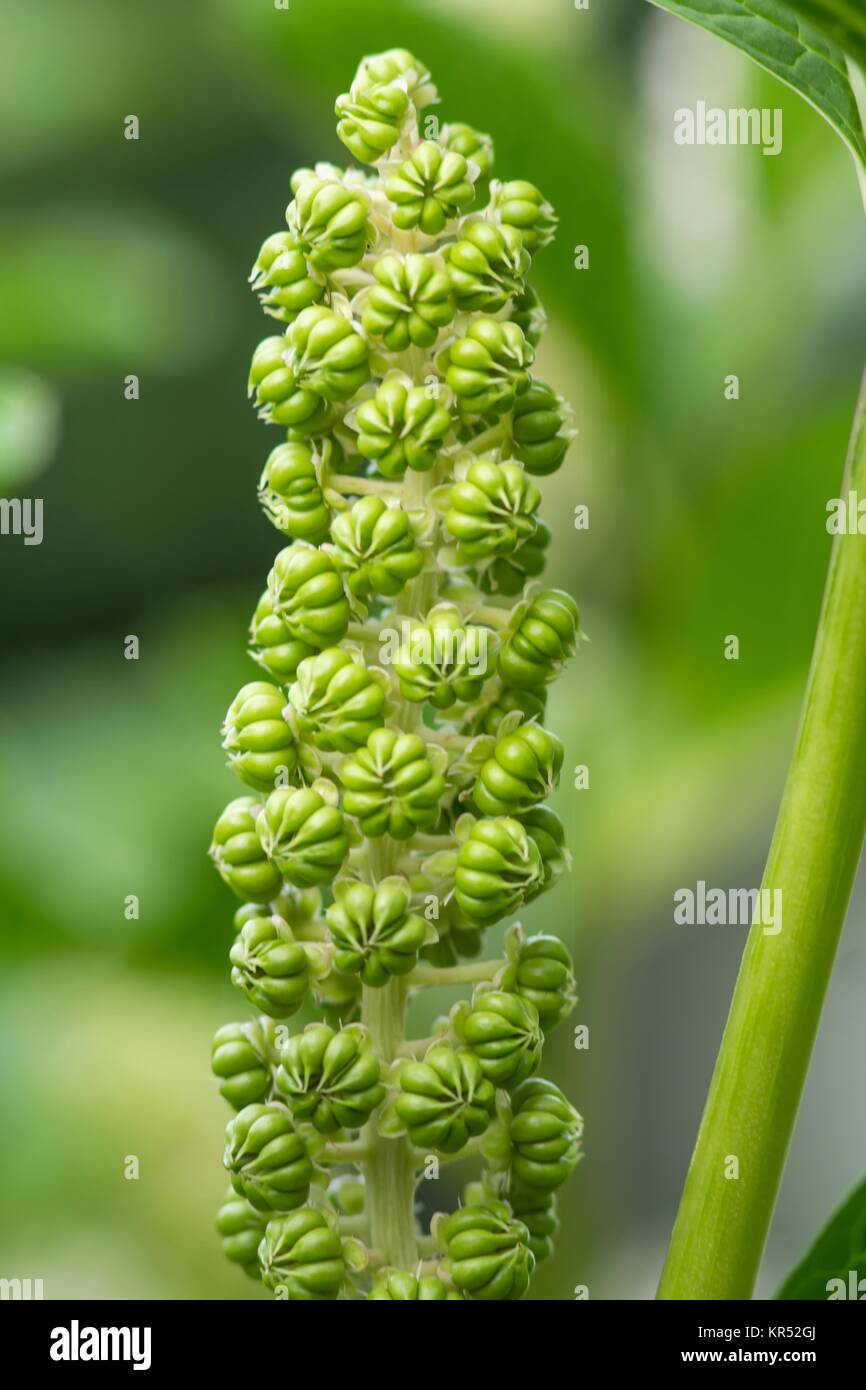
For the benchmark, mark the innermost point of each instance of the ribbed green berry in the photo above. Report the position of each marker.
(488, 368)
(540, 433)
(410, 302)
(487, 266)
(444, 1100)
(240, 1058)
(507, 574)
(444, 659)
(303, 835)
(267, 1159)
(373, 112)
(492, 509)
(237, 852)
(332, 1078)
(522, 770)
(537, 1210)
(338, 702)
(301, 1256)
(241, 1228)
(347, 1192)
(545, 1132)
(528, 312)
(520, 205)
(307, 593)
(322, 358)
(430, 188)
(375, 547)
(271, 968)
(257, 738)
(401, 426)
(542, 972)
(398, 1286)
(547, 831)
(545, 635)
(330, 222)
(504, 1033)
(498, 865)
(290, 494)
(374, 931)
(472, 144)
(391, 785)
(272, 645)
(281, 277)
(488, 1252)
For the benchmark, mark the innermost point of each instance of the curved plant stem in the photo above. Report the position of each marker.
(726, 1207)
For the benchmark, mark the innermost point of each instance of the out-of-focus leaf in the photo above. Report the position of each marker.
(842, 21)
(29, 425)
(774, 36)
(96, 288)
(839, 1251)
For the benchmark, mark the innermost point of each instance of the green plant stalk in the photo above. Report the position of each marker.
(389, 1171)
(722, 1224)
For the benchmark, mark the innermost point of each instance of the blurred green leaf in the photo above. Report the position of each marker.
(123, 288)
(29, 425)
(798, 54)
(839, 1250)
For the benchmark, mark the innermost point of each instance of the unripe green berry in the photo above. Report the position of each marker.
(338, 702)
(410, 302)
(488, 1252)
(282, 278)
(393, 785)
(237, 852)
(271, 968)
(307, 593)
(520, 205)
(486, 717)
(544, 636)
(290, 494)
(398, 1286)
(443, 659)
(444, 1100)
(537, 1210)
(375, 546)
(302, 1256)
(303, 835)
(545, 1132)
(498, 865)
(508, 574)
(400, 427)
(430, 188)
(321, 358)
(257, 738)
(541, 971)
(374, 932)
(330, 1078)
(372, 114)
(523, 770)
(267, 1159)
(504, 1033)
(492, 509)
(272, 645)
(241, 1228)
(544, 827)
(240, 1058)
(330, 223)
(488, 368)
(472, 144)
(540, 431)
(528, 312)
(487, 266)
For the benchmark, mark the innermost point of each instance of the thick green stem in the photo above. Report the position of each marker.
(389, 1170)
(733, 1180)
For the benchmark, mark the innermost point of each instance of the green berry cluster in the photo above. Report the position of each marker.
(393, 751)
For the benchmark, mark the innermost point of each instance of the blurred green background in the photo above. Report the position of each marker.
(707, 519)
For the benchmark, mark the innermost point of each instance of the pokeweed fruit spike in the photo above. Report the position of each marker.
(393, 750)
